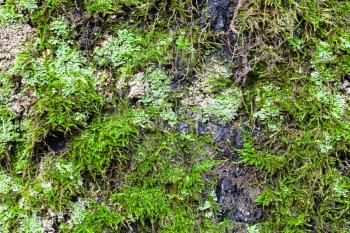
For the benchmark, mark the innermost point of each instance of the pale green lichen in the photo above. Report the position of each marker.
(8, 184)
(119, 50)
(224, 107)
(78, 212)
(31, 223)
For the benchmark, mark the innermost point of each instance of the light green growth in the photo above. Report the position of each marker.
(8, 184)
(65, 88)
(159, 88)
(253, 229)
(126, 167)
(8, 132)
(109, 6)
(28, 5)
(267, 99)
(224, 107)
(269, 109)
(122, 49)
(8, 14)
(130, 50)
(79, 212)
(31, 224)
(56, 178)
(12, 11)
(60, 28)
(158, 94)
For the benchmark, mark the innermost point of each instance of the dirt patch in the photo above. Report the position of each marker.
(12, 42)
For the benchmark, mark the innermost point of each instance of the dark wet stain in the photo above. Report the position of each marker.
(237, 188)
(236, 194)
(183, 128)
(227, 138)
(202, 129)
(218, 14)
(88, 36)
(56, 141)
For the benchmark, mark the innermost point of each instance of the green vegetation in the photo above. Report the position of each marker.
(299, 104)
(102, 141)
(113, 110)
(224, 107)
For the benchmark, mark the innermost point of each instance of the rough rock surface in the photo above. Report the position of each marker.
(346, 86)
(227, 138)
(238, 187)
(236, 193)
(12, 42)
(218, 14)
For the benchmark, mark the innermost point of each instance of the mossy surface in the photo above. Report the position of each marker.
(114, 116)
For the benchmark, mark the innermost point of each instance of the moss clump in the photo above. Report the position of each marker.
(158, 193)
(65, 89)
(9, 133)
(130, 50)
(298, 105)
(107, 139)
(126, 166)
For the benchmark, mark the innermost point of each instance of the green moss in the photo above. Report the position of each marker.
(100, 218)
(132, 49)
(106, 139)
(110, 7)
(9, 133)
(65, 88)
(27, 5)
(302, 110)
(124, 166)
(154, 187)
